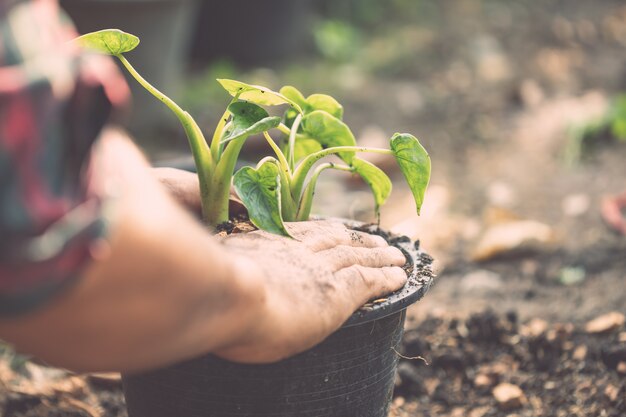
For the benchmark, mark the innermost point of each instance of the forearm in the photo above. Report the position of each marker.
(165, 291)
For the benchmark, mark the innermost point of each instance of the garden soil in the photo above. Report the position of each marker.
(526, 316)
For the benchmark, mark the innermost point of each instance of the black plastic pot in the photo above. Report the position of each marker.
(350, 374)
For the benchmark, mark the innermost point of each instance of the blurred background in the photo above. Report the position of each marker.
(521, 106)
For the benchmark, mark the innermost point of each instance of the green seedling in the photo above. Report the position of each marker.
(281, 187)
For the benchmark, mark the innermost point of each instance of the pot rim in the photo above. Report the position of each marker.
(418, 281)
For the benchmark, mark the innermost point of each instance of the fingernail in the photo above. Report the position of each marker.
(380, 241)
(400, 258)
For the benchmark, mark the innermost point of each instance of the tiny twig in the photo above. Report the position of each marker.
(411, 358)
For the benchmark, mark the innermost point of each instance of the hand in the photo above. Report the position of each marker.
(312, 283)
(184, 186)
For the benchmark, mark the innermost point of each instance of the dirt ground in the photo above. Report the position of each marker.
(526, 317)
(525, 258)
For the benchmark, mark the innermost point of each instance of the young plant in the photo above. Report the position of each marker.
(279, 188)
(215, 164)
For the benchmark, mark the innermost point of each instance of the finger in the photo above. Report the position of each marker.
(321, 235)
(345, 256)
(182, 185)
(175, 175)
(366, 283)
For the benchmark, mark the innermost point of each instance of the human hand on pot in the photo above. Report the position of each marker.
(183, 185)
(312, 284)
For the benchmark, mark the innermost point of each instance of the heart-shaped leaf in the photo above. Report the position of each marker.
(323, 102)
(296, 96)
(378, 181)
(249, 119)
(108, 41)
(257, 94)
(310, 104)
(329, 131)
(414, 163)
(293, 94)
(259, 189)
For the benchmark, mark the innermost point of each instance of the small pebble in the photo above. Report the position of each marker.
(509, 396)
(605, 323)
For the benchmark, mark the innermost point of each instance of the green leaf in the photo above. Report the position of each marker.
(378, 181)
(313, 102)
(296, 96)
(249, 119)
(323, 102)
(414, 163)
(109, 41)
(305, 146)
(329, 131)
(260, 191)
(310, 104)
(293, 94)
(257, 94)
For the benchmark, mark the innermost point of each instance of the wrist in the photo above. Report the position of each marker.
(266, 332)
(247, 309)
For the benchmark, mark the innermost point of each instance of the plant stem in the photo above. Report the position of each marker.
(197, 142)
(287, 201)
(289, 206)
(304, 207)
(283, 129)
(307, 163)
(221, 181)
(222, 145)
(292, 141)
(217, 135)
(279, 154)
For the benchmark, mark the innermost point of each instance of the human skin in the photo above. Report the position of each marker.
(162, 289)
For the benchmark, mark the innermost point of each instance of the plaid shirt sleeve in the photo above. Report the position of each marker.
(53, 103)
